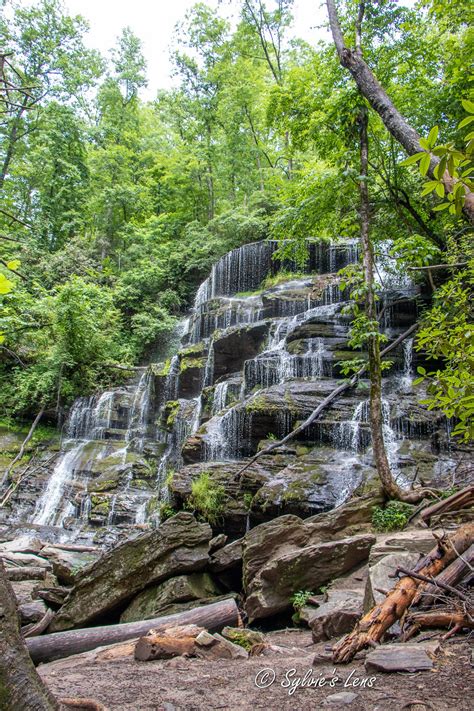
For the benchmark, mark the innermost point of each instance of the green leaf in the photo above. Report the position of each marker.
(424, 144)
(421, 370)
(425, 163)
(5, 285)
(429, 187)
(440, 190)
(466, 121)
(413, 159)
(433, 136)
(443, 206)
(440, 150)
(14, 264)
(468, 105)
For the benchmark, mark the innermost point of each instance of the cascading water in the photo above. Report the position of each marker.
(163, 409)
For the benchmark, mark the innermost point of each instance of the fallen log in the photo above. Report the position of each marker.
(459, 500)
(62, 644)
(173, 642)
(26, 572)
(74, 547)
(376, 622)
(455, 619)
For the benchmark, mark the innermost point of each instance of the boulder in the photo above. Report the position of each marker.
(302, 568)
(336, 616)
(32, 611)
(67, 564)
(165, 598)
(179, 545)
(380, 576)
(227, 558)
(287, 533)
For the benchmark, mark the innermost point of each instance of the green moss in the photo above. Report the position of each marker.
(171, 411)
(101, 509)
(166, 510)
(194, 349)
(187, 363)
(140, 484)
(280, 277)
(166, 367)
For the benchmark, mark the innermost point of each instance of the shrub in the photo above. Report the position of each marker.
(393, 517)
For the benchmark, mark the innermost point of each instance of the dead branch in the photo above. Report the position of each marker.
(23, 446)
(377, 621)
(39, 627)
(450, 577)
(460, 499)
(434, 582)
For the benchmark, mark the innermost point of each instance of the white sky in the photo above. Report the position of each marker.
(153, 22)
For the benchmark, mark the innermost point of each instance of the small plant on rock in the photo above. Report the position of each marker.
(299, 600)
(207, 498)
(393, 517)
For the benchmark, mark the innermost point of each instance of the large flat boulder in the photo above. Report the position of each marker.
(287, 533)
(303, 568)
(165, 597)
(180, 545)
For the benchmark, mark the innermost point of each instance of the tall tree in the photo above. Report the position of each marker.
(372, 90)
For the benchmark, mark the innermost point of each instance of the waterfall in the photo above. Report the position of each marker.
(220, 397)
(407, 378)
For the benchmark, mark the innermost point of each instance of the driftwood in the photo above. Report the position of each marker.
(459, 500)
(73, 547)
(62, 644)
(23, 446)
(346, 385)
(376, 622)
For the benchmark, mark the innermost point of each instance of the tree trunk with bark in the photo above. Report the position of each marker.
(21, 688)
(391, 490)
(212, 617)
(379, 100)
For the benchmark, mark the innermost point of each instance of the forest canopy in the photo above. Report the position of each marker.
(113, 208)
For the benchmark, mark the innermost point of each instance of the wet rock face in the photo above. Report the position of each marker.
(179, 546)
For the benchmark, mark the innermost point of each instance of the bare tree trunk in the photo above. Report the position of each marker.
(378, 99)
(21, 688)
(390, 488)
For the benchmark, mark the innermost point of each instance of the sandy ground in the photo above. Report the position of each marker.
(192, 684)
